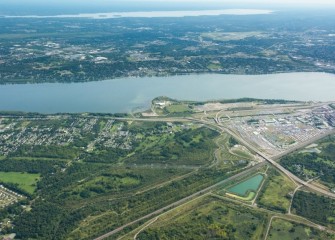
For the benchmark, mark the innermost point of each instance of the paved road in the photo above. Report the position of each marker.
(277, 165)
(304, 144)
(206, 190)
(181, 201)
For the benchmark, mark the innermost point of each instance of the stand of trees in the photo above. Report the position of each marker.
(317, 208)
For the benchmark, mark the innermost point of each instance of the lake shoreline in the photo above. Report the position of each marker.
(125, 94)
(160, 76)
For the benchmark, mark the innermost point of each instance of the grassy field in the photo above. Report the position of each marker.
(318, 164)
(230, 36)
(205, 218)
(25, 181)
(243, 153)
(227, 156)
(120, 181)
(172, 108)
(191, 147)
(214, 67)
(249, 197)
(285, 230)
(275, 193)
(93, 196)
(130, 206)
(38, 158)
(178, 108)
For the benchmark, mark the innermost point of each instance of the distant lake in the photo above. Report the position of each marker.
(126, 94)
(152, 14)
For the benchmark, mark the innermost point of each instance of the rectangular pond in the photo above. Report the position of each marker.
(250, 185)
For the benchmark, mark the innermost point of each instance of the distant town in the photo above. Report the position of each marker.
(221, 166)
(76, 50)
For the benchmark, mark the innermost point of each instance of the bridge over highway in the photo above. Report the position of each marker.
(277, 165)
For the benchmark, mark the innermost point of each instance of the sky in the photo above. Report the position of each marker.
(289, 2)
(110, 2)
(18, 7)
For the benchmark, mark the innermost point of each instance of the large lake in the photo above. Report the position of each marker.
(126, 94)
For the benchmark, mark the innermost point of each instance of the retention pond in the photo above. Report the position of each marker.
(250, 185)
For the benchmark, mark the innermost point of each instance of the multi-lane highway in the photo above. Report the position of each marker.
(181, 201)
(277, 165)
(218, 126)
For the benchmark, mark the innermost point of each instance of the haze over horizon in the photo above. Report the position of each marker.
(41, 7)
(286, 2)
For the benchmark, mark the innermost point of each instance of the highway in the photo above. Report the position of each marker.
(181, 201)
(277, 165)
(222, 128)
(303, 144)
(218, 126)
(255, 150)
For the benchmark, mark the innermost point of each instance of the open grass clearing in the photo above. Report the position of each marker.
(39, 158)
(204, 218)
(241, 151)
(226, 156)
(276, 192)
(178, 108)
(286, 230)
(25, 181)
(248, 197)
(121, 181)
(214, 66)
(231, 36)
(190, 147)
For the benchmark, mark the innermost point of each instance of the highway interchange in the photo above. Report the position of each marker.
(218, 126)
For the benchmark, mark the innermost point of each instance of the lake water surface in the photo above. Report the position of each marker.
(126, 94)
(251, 184)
